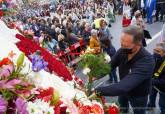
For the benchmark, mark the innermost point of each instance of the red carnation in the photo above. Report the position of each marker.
(85, 110)
(58, 109)
(29, 47)
(77, 103)
(5, 61)
(46, 95)
(113, 110)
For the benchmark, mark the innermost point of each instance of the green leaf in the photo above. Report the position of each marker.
(96, 63)
(7, 94)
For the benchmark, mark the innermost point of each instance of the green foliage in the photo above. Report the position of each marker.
(96, 63)
(7, 94)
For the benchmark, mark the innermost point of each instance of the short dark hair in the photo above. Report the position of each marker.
(136, 32)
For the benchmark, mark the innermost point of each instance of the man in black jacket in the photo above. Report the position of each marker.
(158, 81)
(135, 70)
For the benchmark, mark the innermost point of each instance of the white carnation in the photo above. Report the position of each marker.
(86, 70)
(107, 58)
(39, 107)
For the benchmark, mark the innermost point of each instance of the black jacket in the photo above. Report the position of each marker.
(159, 82)
(135, 75)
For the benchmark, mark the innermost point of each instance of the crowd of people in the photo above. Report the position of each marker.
(71, 21)
(67, 25)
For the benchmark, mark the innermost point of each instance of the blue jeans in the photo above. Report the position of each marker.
(149, 15)
(138, 104)
(162, 102)
(113, 76)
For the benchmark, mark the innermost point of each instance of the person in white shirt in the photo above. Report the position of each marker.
(137, 20)
(127, 9)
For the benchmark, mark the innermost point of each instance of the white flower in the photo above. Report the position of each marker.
(39, 107)
(71, 84)
(86, 70)
(107, 58)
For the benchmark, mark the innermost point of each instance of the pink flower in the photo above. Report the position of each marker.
(6, 71)
(12, 83)
(3, 105)
(21, 106)
(5, 84)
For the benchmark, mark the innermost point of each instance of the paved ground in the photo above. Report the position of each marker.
(116, 32)
(117, 28)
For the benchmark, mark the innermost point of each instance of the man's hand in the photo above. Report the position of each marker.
(93, 96)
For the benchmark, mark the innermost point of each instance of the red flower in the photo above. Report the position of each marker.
(96, 109)
(113, 110)
(1, 13)
(85, 110)
(29, 47)
(46, 95)
(77, 103)
(58, 109)
(80, 82)
(63, 110)
(5, 61)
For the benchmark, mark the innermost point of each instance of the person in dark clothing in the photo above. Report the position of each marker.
(42, 25)
(134, 6)
(141, 7)
(110, 50)
(35, 29)
(136, 67)
(160, 9)
(72, 38)
(86, 33)
(158, 81)
(104, 32)
(61, 43)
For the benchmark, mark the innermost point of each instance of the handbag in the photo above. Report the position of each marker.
(147, 34)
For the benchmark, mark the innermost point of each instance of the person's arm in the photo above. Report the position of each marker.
(141, 71)
(109, 34)
(74, 37)
(159, 82)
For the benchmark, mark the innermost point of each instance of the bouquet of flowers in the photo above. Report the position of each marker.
(13, 83)
(24, 91)
(19, 96)
(94, 66)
